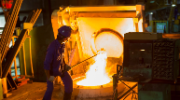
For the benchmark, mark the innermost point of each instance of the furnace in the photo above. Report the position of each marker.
(94, 29)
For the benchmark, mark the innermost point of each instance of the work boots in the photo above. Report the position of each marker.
(67, 96)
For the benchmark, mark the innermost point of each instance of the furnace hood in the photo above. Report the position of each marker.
(100, 27)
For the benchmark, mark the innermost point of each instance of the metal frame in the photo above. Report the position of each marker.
(115, 82)
(24, 33)
(24, 60)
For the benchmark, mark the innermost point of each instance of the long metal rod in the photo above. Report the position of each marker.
(82, 61)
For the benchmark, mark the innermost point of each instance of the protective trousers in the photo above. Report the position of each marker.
(68, 85)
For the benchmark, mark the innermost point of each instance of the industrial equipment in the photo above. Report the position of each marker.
(95, 28)
(138, 61)
(152, 60)
(151, 56)
(8, 54)
(98, 27)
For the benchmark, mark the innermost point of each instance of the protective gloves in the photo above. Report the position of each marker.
(67, 67)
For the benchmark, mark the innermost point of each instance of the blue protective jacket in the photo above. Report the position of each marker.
(53, 57)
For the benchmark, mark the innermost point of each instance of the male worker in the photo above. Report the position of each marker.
(54, 64)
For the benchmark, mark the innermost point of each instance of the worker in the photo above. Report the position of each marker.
(54, 64)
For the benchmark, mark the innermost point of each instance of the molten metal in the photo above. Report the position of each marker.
(96, 75)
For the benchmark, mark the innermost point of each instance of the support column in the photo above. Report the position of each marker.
(46, 11)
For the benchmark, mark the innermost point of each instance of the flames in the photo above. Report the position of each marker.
(96, 75)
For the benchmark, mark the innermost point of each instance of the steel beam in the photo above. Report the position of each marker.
(14, 51)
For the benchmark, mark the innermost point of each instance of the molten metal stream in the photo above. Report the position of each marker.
(96, 75)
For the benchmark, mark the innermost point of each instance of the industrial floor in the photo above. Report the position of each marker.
(35, 91)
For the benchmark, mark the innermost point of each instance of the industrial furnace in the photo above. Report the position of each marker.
(94, 29)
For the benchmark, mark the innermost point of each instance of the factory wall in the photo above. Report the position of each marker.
(41, 38)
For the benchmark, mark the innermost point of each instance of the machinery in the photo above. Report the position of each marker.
(95, 28)
(138, 61)
(151, 56)
(152, 60)
(141, 57)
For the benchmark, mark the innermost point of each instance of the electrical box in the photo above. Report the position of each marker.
(150, 56)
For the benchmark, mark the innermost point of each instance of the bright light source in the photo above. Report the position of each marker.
(151, 13)
(173, 5)
(142, 50)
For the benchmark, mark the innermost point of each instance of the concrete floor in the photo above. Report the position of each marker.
(35, 91)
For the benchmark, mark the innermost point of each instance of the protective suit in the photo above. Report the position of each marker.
(54, 63)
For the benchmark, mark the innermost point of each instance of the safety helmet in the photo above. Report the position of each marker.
(64, 31)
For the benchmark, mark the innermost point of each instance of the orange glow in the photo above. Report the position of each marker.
(140, 25)
(88, 26)
(110, 42)
(96, 75)
(99, 9)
